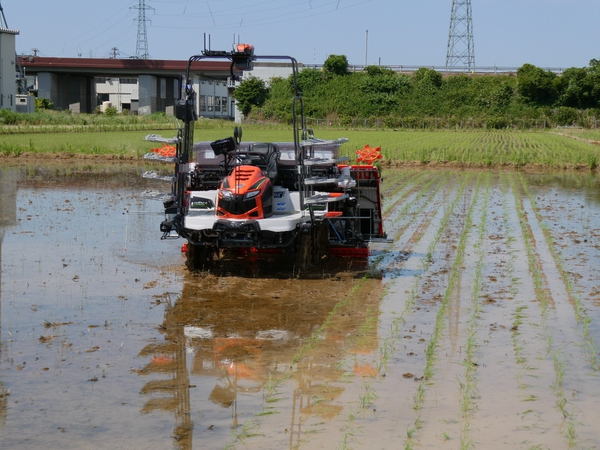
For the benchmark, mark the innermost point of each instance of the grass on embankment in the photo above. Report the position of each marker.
(473, 148)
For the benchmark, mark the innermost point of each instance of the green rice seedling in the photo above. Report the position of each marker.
(542, 294)
(580, 312)
(452, 284)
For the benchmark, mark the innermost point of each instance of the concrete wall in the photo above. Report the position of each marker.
(8, 87)
(156, 93)
(66, 91)
(267, 71)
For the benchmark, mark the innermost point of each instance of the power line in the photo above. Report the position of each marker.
(141, 46)
(461, 50)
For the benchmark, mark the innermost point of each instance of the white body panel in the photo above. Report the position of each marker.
(286, 219)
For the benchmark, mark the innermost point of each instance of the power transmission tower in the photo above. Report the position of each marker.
(141, 46)
(461, 51)
(3, 23)
(114, 53)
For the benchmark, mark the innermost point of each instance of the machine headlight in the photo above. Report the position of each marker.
(226, 195)
(251, 194)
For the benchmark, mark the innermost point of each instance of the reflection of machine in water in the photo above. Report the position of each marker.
(8, 217)
(239, 335)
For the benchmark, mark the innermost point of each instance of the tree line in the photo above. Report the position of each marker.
(427, 96)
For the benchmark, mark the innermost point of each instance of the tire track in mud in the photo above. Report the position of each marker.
(576, 385)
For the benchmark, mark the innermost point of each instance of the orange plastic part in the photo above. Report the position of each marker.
(166, 150)
(368, 155)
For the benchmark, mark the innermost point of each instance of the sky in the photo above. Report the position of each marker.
(507, 33)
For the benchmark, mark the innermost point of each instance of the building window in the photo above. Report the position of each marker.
(128, 80)
(163, 88)
(203, 103)
(224, 104)
(217, 104)
(210, 103)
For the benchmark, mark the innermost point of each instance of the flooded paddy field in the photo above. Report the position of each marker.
(483, 331)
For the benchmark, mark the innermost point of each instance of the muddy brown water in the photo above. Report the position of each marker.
(482, 333)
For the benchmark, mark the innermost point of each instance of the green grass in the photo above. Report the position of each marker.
(478, 148)
(592, 135)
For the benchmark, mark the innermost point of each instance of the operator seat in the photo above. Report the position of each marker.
(269, 156)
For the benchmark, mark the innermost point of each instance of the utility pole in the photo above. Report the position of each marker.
(35, 51)
(366, 46)
(141, 46)
(461, 50)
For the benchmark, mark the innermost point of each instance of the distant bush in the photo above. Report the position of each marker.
(43, 103)
(8, 117)
(336, 64)
(110, 111)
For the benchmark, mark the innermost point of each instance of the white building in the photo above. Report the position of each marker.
(121, 92)
(214, 97)
(8, 71)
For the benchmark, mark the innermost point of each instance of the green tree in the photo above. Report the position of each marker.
(427, 78)
(336, 64)
(536, 85)
(251, 92)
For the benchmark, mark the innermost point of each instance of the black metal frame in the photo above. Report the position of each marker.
(186, 111)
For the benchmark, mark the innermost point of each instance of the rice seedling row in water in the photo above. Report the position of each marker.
(543, 296)
(433, 344)
(400, 220)
(468, 387)
(426, 194)
(394, 181)
(417, 184)
(580, 312)
(389, 344)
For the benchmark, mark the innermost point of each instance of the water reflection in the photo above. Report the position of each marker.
(8, 217)
(229, 342)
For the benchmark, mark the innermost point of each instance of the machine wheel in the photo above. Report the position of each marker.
(320, 244)
(199, 257)
(303, 252)
(311, 248)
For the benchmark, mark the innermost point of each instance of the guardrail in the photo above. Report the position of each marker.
(443, 69)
